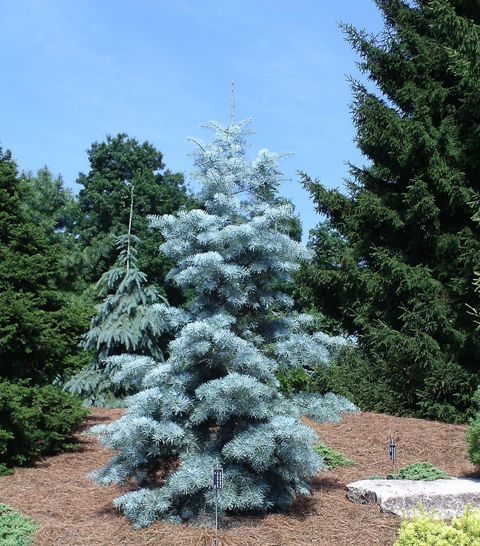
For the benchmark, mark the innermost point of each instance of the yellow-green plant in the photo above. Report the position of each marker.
(427, 529)
(332, 458)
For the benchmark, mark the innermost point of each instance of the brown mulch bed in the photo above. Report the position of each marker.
(71, 510)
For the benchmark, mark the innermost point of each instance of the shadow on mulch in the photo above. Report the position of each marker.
(326, 484)
(471, 475)
(94, 418)
(109, 510)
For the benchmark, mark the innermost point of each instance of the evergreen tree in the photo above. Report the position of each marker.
(53, 208)
(115, 166)
(40, 326)
(48, 203)
(39, 332)
(216, 397)
(122, 324)
(476, 282)
(395, 259)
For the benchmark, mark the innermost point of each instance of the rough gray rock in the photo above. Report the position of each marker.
(447, 497)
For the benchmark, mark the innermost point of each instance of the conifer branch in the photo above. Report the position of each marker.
(129, 229)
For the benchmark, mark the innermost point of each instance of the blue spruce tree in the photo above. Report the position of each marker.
(216, 397)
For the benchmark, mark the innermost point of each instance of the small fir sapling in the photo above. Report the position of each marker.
(123, 324)
(216, 397)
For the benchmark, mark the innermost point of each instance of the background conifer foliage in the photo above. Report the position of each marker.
(39, 330)
(394, 261)
(216, 397)
(116, 165)
(40, 325)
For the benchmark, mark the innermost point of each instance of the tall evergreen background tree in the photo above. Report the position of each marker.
(394, 260)
(40, 327)
(47, 202)
(216, 397)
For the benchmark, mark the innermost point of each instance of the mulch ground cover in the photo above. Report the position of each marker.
(71, 510)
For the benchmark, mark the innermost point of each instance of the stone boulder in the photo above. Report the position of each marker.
(447, 497)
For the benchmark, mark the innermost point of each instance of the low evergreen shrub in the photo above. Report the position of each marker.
(333, 458)
(35, 421)
(5, 471)
(473, 440)
(415, 471)
(473, 432)
(425, 529)
(421, 471)
(317, 380)
(15, 528)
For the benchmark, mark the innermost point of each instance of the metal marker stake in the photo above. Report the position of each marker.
(392, 452)
(217, 484)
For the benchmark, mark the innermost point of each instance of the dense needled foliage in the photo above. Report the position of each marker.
(216, 397)
(40, 326)
(48, 203)
(116, 165)
(122, 324)
(394, 261)
(52, 207)
(39, 331)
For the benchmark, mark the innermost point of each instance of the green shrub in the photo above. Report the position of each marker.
(415, 471)
(5, 471)
(426, 529)
(15, 528)
(332, 458)
(421, 471)
(36, 421)
(294, 381)
(476, 399)
(372, 386)
(473, 440)
(353, 376)
(317, 381)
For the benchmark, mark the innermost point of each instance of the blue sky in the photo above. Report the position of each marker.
(75, 71)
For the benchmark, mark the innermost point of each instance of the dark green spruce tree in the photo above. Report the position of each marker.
(40, 325)
(395, 258)
(39, 332)
(473, 432)
(48, 204)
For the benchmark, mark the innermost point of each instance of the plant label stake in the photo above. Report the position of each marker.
(217, 484)
(392, 452)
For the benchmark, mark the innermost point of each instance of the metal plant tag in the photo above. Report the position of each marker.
(218, 478)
